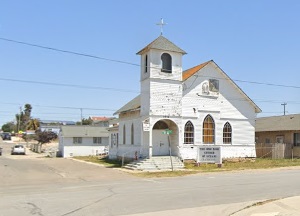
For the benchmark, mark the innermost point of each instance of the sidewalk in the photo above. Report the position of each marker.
(284, 207)
(287, 206)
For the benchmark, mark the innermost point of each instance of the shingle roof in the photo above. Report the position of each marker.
(162, 43)
(278, 123)
(190, 72)
(131, 105)
(100, 118)
(83, 131)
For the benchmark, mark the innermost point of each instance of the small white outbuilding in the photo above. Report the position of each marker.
(82, 140)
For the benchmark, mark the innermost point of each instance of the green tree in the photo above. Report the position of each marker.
(84, 121)
(27, 112)
(8, 127)
(45, 136)
(23, 117)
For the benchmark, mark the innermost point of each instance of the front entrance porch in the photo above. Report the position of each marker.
(160, 143)
(165, 138)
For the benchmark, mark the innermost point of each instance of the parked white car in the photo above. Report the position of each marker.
(18, 149)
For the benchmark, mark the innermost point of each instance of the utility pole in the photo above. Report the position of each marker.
(284, 104)
(81, 115)
(19, 121)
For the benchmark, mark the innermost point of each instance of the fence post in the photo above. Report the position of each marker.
(123, 160)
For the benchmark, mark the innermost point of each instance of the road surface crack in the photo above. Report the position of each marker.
(90, 204)
(34, 209)
(57, 172)
(253, 205)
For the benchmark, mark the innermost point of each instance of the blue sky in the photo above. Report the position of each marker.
(255, 41)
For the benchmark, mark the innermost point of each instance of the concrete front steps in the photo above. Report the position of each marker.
(156, 163)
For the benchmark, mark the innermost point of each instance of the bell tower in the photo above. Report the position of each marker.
(161, 76)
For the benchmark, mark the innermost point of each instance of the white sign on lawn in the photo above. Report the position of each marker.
(209, 154)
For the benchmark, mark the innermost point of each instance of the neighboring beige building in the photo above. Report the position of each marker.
(278, 132)
(278, 129)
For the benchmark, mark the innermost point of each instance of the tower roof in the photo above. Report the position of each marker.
(162, 43)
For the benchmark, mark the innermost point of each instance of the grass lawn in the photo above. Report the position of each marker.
(192, 168)
(258, 163)
(101, 160)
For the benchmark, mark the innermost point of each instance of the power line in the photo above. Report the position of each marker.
(77, 108)
(252, 82)
(115, 89)
(129, 63)
(130, 91)
(67, 51)
(69, 85)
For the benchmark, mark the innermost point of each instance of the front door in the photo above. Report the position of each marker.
(160, 144)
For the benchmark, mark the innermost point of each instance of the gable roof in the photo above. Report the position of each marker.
(134, 104)
(161, 43)
(278, 123)
(83, 131)
(190, 72)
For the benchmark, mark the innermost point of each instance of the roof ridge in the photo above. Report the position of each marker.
(162, 43)
(191, 71)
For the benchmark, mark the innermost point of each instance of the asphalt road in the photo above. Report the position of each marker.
(34, 185)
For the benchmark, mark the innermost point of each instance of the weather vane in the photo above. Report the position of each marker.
(161, 24)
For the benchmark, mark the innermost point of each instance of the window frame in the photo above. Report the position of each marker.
(296, 137)
(214, 85)
(132, 134)
(208, 133)
(189, 133)
(227, 135)
(146, 64)
(166, 63)
(77, 140)
(124, 134)
(97, 140)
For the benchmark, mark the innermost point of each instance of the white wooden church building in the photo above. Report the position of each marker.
(198, 106)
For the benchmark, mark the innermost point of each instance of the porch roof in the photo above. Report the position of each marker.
(131, 105)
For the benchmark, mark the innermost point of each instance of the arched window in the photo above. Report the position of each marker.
(208, 130)
(189, 133)
(132, 134)
(124, 135)
(227, 133)
(166, 60)
(146, 63)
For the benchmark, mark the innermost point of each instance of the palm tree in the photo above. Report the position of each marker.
(27, 112)
(33, 124)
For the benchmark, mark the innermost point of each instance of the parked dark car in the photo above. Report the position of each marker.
(6, 136)
(0, 151)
